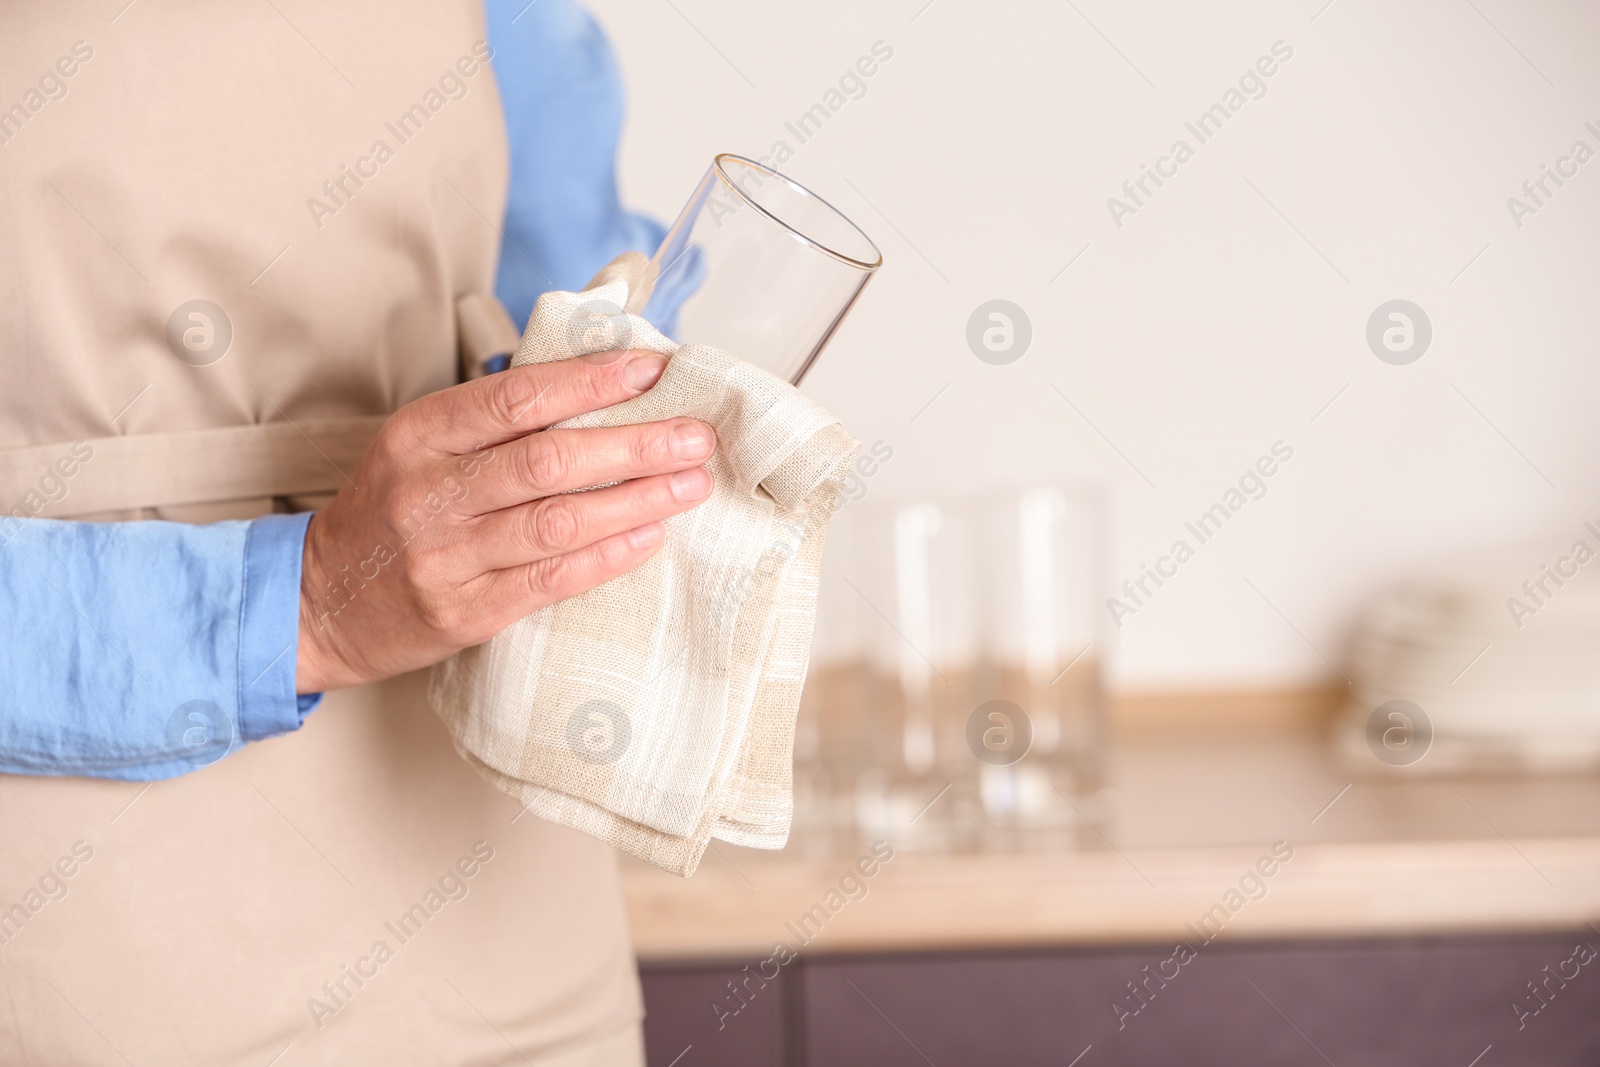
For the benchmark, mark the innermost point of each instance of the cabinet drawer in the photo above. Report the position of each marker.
(1380, 1003)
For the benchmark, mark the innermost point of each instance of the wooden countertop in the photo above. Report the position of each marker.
(1189, 817)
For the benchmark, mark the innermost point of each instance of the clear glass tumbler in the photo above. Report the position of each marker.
(1040, 638)
(759, 266)
(962, 691)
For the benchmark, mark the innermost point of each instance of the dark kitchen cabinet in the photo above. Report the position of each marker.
(1451, 1002)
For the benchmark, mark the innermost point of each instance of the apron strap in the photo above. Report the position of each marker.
(154, 470)
(128, 472)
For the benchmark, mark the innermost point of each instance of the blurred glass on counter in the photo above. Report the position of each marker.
(956, 701)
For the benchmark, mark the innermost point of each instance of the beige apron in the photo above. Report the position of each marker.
(173, 151)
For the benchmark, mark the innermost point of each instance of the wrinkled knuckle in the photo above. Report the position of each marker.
(596, 386)
(408, 570)
(588, 389)
(555, 526)
(511, 399)
(650, 448)
(391, 445)
(545, 465)
(425, 566)
(439, 614)
(542, 577)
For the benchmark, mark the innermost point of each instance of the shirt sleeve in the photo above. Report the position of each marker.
(142, 650)
(562, 97)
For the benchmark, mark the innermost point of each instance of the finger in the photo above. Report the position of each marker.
(510, 594)
(558, 461)
(520, 400)
(570, 521)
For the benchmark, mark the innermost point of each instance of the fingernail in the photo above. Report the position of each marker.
(646, 536)
(692, 484)
(691, 441)
(642, 372)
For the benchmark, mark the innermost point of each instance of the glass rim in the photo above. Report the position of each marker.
(722, 175)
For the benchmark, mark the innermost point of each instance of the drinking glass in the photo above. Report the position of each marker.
(1040, 636)
(759, 266)
(959, 659)
(911, 587)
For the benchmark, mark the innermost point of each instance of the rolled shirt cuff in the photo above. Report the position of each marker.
(269, 628)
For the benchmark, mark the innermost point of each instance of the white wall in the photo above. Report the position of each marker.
(1206, 327)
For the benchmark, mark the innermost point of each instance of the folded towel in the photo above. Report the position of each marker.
(656, 711)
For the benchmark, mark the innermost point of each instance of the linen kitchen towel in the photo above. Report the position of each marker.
(656, 712)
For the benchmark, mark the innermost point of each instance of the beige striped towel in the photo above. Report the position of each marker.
(656, 712)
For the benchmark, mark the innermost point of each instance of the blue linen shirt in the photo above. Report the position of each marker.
(143, 650)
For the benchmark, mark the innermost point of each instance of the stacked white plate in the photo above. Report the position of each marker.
(1495, 693)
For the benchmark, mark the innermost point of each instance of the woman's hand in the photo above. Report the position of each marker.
(459, 521)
